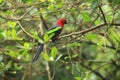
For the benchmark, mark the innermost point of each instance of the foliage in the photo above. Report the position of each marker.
(87, 49)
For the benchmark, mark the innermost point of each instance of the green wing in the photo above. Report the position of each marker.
(51, 33)
(53, 30)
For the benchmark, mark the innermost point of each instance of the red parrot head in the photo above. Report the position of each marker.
(61, 22)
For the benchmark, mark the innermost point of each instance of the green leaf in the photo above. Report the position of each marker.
(73, 44)
(12, 54)
(8, 33)
(116, 2)
(26, 45)
(14, 35)
(54, 52)
(112, 38)
(51, 7)
(50, 34)
(46, 57)
(42, 0)
(23, 53)
(85, 16)
(60, 5)
(38, 39)
(94, 3)
(75, 55)
(1, 36)
(18, 67)
(29, 1)
(1, 33)
(73, 9)
(47, 38)
(11, 24)
(77, 78)
(97, 21)
(8, 12)
(91, 36)
(1, 1)
(8, 65)
(51, 0)
(116, 35)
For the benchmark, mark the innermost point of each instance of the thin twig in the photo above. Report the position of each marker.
(7, 18)
(53, 75)
(45, 49)
(21, 6)
(47, 64)
(95, 72)
(43, 21)
(30, 35)
(21, 17)
(105, 65)
(18, 18)
(102, 14)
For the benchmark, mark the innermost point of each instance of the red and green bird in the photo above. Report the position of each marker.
(52, 34)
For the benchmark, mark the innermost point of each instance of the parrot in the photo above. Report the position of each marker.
(51, 34)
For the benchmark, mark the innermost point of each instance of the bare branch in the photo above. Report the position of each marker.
(21, 17)
(89, 29)
(105, 22)
(43, 21)
(21, 6)
(95, 72)
(45, 50)
(14, 18)
(24, 30)
(6, 18)
(106, 64)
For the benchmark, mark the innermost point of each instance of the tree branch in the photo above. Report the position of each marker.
(22, 16)
(30, 35)
(106, 64)
(18, 18)
(89, 29)
(20, 6)
(95, 72)
(43, 21)
(6, 18)
(102, 14)
(45, 50)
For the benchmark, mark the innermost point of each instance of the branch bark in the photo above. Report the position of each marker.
(30, 35)
(43, 21)
(95, 72)
(20, 6)
(89, 29)
(45, 50)
(105, 21)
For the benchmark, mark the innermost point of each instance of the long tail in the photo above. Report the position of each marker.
(38, 52)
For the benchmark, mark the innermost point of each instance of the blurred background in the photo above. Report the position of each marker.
(87, 49)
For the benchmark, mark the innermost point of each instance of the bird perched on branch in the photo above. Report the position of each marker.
(51, 34)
